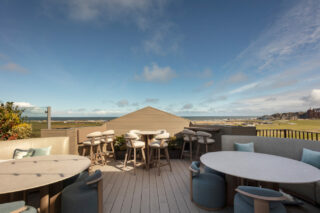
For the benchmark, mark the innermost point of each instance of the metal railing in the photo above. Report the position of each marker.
(289, 133)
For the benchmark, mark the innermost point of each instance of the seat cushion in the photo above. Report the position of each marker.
(42, 151)
(165, 135)
(209, 140)
(311, 157)
(205, 134)
(103, 140)
(108, 132)
(9, 207)
(261, 192)
(96, 142)
(94, 134)
(131, 135)
(136, 144)
(156, 144)
(22, 153)
(186, 138)
(244, 147)
(242, 206)
(208, 190)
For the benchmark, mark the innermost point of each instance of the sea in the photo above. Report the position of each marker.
(192, 118)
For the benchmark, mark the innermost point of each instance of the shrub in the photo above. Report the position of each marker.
(120, 143)
(12, 125)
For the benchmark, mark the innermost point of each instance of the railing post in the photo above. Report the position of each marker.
(49, 117)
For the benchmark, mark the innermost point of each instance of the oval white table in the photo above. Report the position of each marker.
(261, 167)
(40, 172)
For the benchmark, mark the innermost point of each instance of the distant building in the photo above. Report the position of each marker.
(313, 113)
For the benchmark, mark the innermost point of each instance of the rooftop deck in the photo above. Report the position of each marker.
(147, 192)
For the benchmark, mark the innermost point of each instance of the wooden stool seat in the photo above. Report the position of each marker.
(135, 145)
(158, 145)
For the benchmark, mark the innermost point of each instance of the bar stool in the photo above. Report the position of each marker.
(160, 143)
(189, 136)
(108, 139)
(93, 145)
(134, 144)
(204, 138)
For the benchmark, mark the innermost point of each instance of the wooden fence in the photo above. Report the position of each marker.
(289, 133)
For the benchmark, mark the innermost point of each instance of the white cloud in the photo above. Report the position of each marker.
(315, 95)
(187, 106)
(13, 67)
(156, 74)
(244, 88)
(23, 104)
(123, 103)
(237, 77)
(152, 100)
(293, 37)
(162, 40)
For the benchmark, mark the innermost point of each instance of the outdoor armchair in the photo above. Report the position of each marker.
(16, 207)
(207, 190)
(84, 195)
(258, 200)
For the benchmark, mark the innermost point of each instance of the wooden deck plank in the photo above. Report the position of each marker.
(145, 196)
(183, 186)
(172, 201)
(114, 192)
(121, 194)
(154, 200)
(181, 203)
(137, 192)
(108, 185)
(163, 202)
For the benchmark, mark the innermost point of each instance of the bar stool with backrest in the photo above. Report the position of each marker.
(134, 144)
(93, 145)
(159, 143)
(189, 136)
(106, 141)
(204, 138)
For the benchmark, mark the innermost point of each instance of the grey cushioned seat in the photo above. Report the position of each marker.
(81, 197)
(12, 206)
(208, 190)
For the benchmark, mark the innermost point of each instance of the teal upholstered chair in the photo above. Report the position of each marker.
(17, 207)
(251, 199)
(212, 171)
(85, 195)
(207, 190)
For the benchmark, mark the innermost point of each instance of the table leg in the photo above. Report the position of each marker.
(147, 149)
(55, 197)
(232, 184)
(44, 199)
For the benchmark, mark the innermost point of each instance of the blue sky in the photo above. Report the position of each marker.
(209, 57)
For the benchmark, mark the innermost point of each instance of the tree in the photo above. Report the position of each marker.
(12, 124)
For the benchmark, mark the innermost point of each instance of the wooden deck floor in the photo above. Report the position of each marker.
(147, 192)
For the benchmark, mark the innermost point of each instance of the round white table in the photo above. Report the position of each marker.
(40, 172)
(260, 167)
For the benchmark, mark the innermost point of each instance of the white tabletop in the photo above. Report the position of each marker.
(33, 172)
(148, 132)
(261, 167)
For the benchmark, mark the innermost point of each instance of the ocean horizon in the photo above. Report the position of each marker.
(193, 118)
